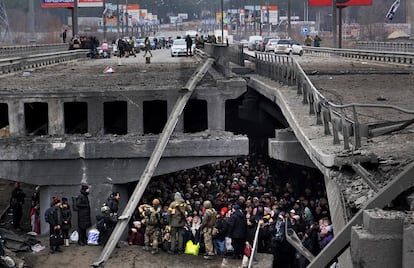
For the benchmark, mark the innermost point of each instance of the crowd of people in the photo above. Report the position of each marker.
(216, 207)
(221, 205)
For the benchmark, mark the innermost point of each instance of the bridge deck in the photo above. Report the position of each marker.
(90, 77)
(345, 81)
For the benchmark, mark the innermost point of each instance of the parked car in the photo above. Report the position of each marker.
(271, 45)
(253, 41)
(260, 46)
(244, 42)
(289, 47)
(140, 44)
(179, 48)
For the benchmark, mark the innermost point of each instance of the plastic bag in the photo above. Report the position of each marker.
(191, 248)
(74, 237)
(228, 245)
(93, 237)
(245, 261)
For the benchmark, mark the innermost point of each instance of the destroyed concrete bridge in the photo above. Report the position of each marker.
(70, 123)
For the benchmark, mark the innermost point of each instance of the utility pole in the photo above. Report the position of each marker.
(334, 24)
(289, 19)
(32, 38)
(117, 19)
(126, 17)
(104, 19)
(75, 18)
(410, 17)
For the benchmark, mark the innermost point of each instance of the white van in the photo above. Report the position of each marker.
(252, 42)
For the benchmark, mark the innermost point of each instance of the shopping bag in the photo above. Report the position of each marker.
(74, 237)
(245, 261)
(191, 248)
(56, 239)
(93, 237)
(228, 245)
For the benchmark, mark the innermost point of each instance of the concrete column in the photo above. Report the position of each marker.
(95, 117)
(379, 242)
(56, 117)
(135, 117)
(16, 118)
(179, 128)
(286, 147)
(408, 246)
(216, 113)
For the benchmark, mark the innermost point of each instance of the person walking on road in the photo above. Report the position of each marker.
(147, 47)
(64, 35)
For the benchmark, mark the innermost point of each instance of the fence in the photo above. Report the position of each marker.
(335, 119)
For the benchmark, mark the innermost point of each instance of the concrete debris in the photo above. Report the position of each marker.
(108, 70)
(381, 98)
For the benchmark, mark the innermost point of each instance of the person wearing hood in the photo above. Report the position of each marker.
(237, 231)
(178, 211)
(84, 213)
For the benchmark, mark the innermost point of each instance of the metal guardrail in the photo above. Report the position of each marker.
(384, 56)
(15, 64)
(17, 51)
(385, 46)
(336, 119)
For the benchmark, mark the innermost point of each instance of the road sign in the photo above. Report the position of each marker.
(305, 30)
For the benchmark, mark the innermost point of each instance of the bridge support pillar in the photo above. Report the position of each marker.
(179, 127)
(216, 110)
(95, 117)
(286, 147)
(135, 117)
(16, 119)
(56, 118)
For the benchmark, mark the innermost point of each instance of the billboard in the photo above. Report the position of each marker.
(340, 3)
(90, 3)
(57, 3)
(70, 3)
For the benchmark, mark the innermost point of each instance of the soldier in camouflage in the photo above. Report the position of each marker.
(207, 224)
(152, 216)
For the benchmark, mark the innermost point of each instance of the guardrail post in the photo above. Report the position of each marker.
(311, 103)
(357, 134)
(326, 118)
(318, 113)
(336, 122)
(345, 132)
(305, 93)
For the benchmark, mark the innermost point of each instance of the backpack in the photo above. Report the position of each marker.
(48, 213)
(101, 225)
(154, 218)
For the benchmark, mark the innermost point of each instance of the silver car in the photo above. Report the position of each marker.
(289, 47)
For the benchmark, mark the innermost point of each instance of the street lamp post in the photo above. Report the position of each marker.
(222, 21)
(117, 19)
(289, 19)
(104, 19)
(126, 17)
